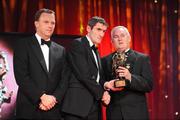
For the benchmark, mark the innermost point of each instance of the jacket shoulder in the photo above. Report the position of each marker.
(140, 54)
(57, 45)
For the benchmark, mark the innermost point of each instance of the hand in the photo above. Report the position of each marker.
(43, 107)
(106, 98)
(110, 86)
(48, 101)
(124, 72)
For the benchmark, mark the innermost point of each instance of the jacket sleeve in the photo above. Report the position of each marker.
(63, 80)
(22, 73)
(142, 81)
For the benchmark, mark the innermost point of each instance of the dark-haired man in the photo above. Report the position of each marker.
(85, 90)
(40, 71)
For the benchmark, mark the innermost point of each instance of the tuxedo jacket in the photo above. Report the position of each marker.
(83, 90)
(132, 100)
(33, 78)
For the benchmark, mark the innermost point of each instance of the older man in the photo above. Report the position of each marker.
(128, 100)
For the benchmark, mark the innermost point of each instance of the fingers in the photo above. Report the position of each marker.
(123, 72)
(109, 85)
(106, 102)
(117, 89)
(47, 102)
(106, 98)
(46, 107)
(43, 107)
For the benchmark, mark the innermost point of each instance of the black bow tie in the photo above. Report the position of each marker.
(48, 43)
(94, 48)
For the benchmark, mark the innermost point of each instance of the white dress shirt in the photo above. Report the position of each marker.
(45, 50)
(95, 57)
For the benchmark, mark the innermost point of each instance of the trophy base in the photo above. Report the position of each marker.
(119, 83)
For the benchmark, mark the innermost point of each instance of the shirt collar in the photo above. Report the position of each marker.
(89, 40)
(39, 38)
(127, 50)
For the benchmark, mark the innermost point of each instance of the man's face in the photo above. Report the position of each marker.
(45, 25)
(120, 40)
(96, 33)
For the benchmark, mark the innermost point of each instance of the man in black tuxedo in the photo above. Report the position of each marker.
(85, 91)
(41, 71)
(128, 102)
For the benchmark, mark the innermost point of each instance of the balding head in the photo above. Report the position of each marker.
(121, 28)
(121, 38)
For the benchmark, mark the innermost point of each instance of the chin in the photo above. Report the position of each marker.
(98, 41)
(48, 35)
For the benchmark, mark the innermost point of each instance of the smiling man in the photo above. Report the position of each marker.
(128, 102)
(85, 90)
(40, 71)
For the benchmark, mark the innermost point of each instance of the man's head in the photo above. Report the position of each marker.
(45, 23)
(121, 38)
(96, 29)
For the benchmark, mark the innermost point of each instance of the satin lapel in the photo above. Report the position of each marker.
(109, 64)
(86, 43)
(99, 61)
(52, 56)
(38, 53)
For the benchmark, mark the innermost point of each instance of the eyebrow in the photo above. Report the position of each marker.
(101, 29)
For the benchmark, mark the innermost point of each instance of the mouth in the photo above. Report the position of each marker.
(49, 31)
(120, 43)
(99, 38)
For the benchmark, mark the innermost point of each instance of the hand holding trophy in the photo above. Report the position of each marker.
(119, 60)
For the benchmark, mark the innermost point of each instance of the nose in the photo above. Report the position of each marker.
(119, 39)
(50, 25)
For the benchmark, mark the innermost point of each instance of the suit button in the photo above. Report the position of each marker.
(93, 77)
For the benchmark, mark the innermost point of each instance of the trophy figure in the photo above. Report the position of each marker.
(119, 59)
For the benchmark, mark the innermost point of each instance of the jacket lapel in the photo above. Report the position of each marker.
(38, 53)
(131, 59)
(53, 53)
(109, 65)
(86, 43)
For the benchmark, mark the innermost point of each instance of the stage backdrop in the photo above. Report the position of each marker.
(153, 24)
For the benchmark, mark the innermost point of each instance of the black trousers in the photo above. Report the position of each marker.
(94, 114)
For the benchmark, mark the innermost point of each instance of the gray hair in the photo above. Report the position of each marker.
(120, 27)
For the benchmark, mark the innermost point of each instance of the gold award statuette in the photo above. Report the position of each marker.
(119, 59)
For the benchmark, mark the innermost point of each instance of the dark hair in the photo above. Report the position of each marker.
(92, 22)
(44, 10)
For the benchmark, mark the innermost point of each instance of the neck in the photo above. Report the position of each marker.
(123, 50)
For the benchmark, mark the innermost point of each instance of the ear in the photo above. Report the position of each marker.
(88, 28)
(36, 24)
(129, 40)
